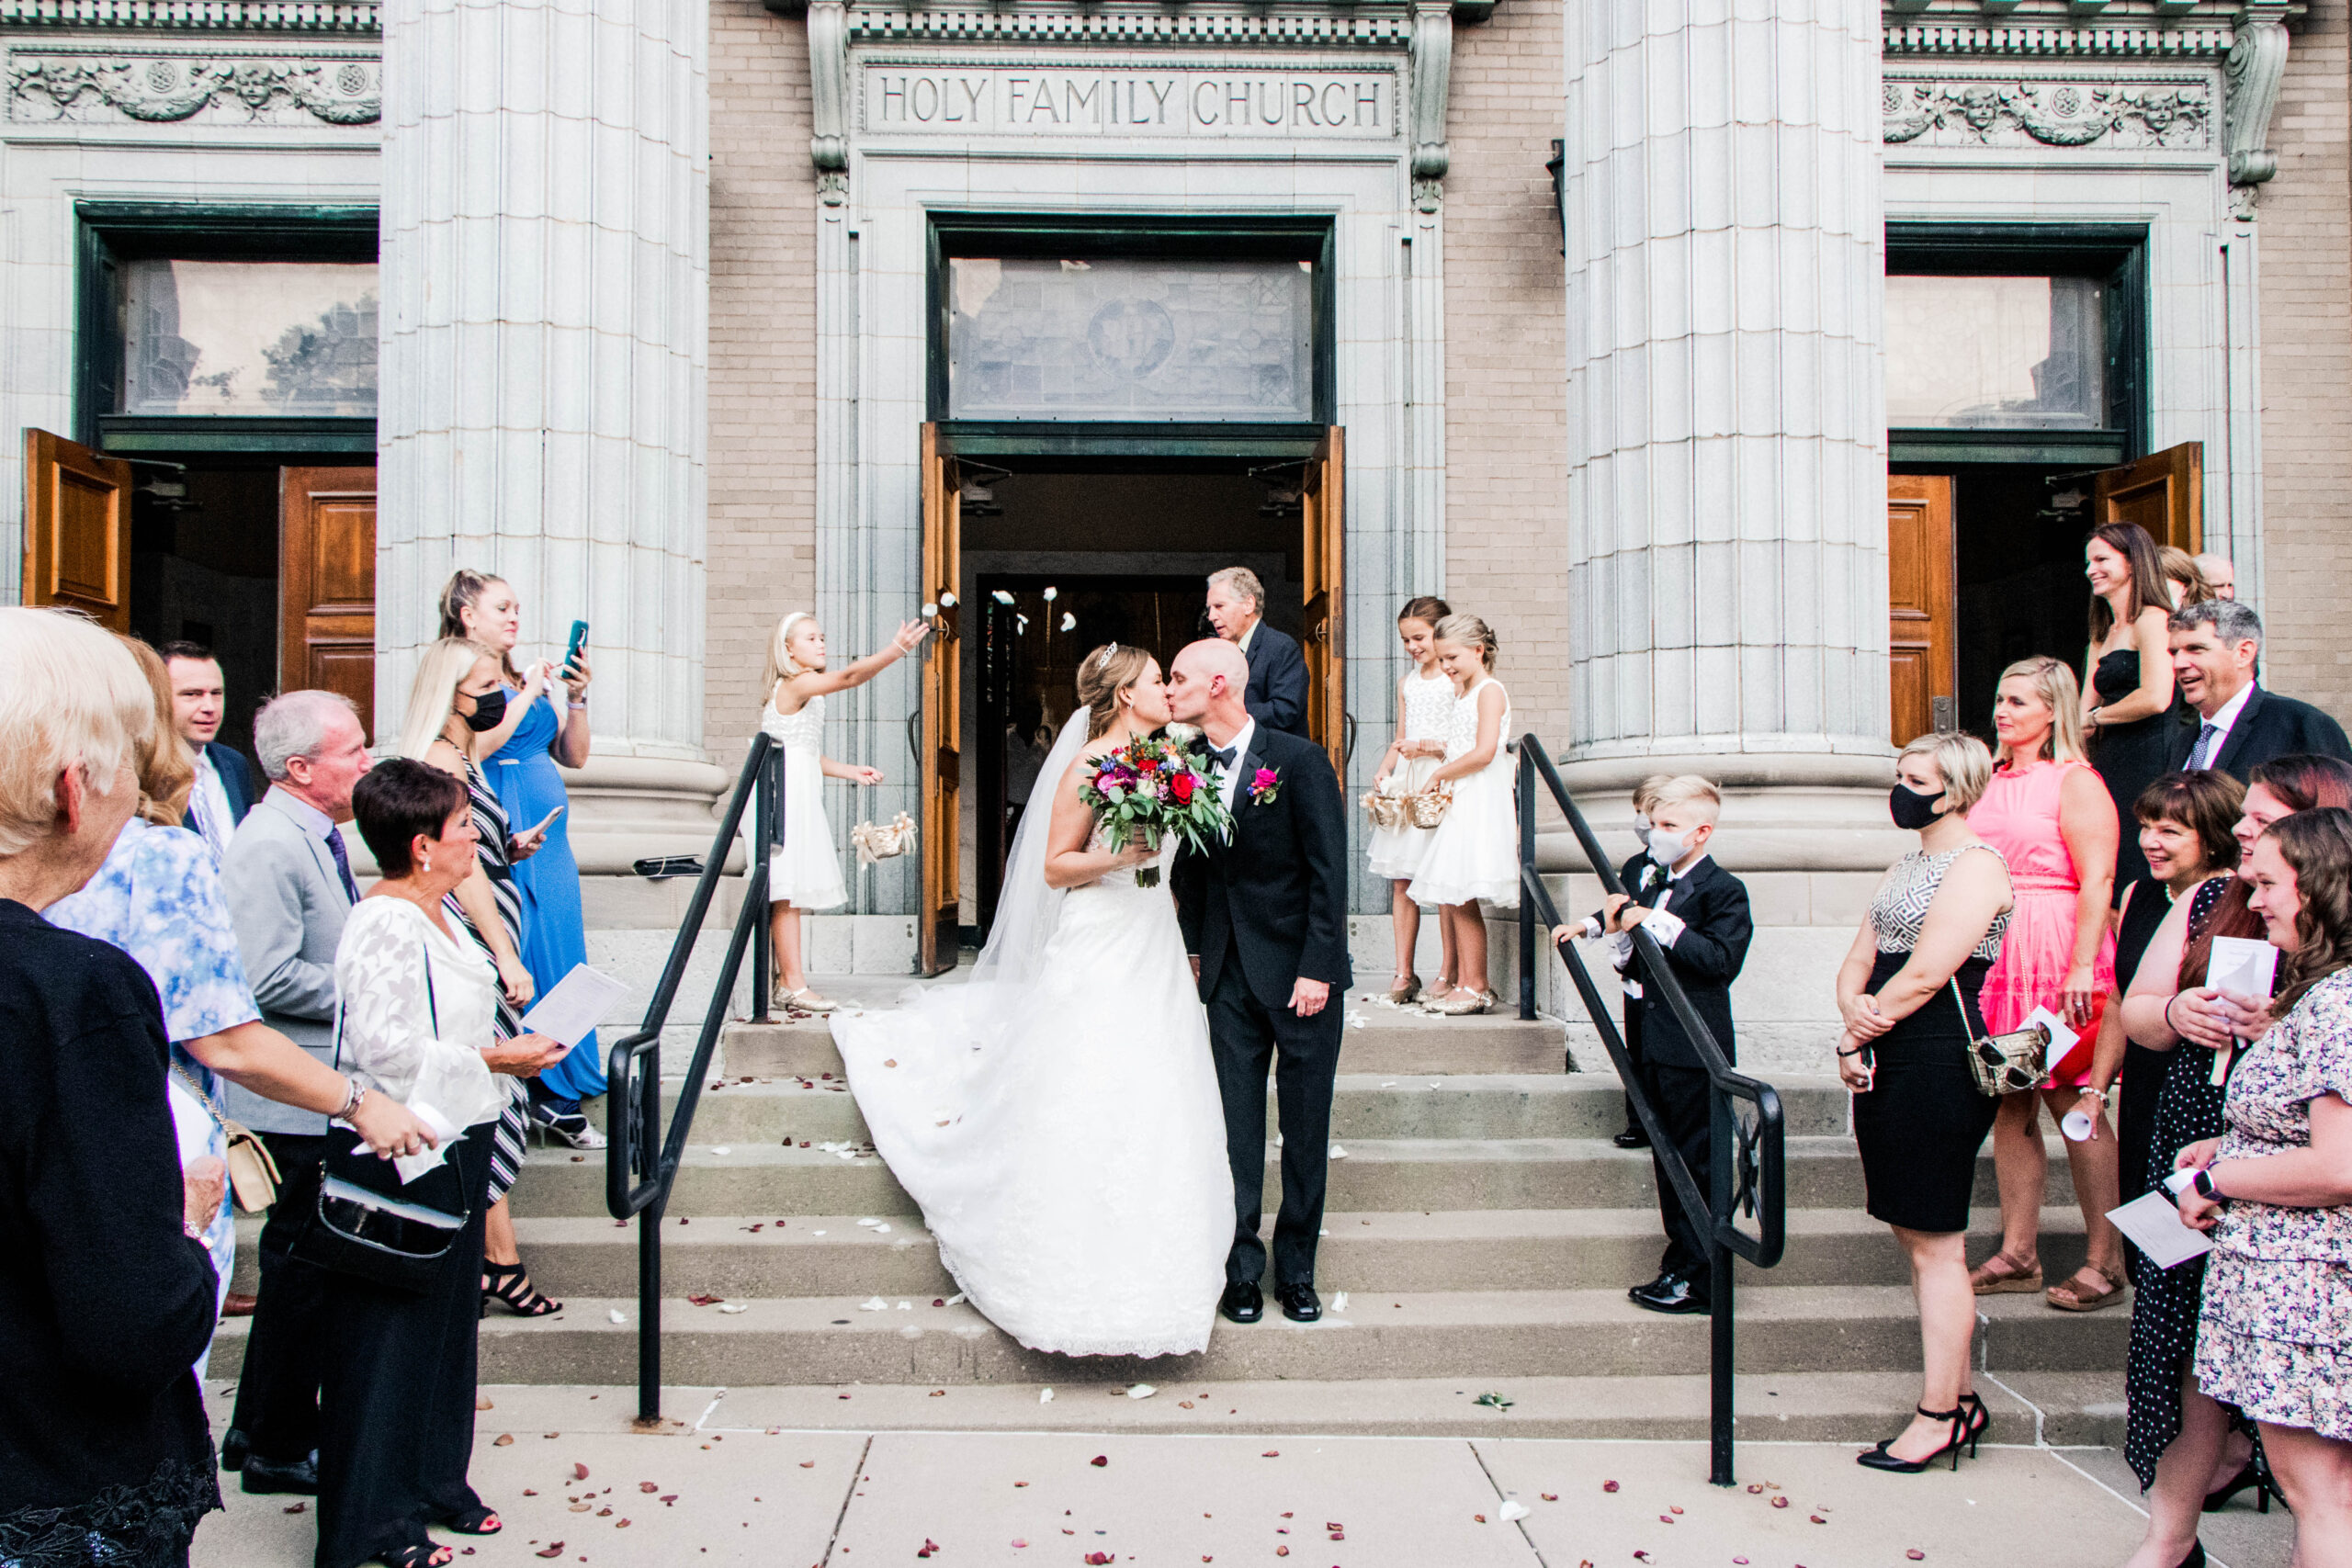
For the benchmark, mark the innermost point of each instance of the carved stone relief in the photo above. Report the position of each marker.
(206, 89)
(2124, 116)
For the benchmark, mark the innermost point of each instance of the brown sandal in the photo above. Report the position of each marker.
(2067, 1295)
(2009, 1280)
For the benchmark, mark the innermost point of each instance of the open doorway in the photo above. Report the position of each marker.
(1060, 558)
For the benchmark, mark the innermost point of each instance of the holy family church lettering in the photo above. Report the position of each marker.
(1045, 102)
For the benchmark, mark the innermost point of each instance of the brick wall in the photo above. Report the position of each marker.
(2306, 303)
(763, 356)
(1506, 399)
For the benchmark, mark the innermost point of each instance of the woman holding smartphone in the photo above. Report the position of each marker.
(1933, 930)
(520, 756)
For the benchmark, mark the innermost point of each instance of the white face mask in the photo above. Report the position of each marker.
(1667, 847)
(1642, 829)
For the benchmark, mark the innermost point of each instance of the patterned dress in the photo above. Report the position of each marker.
(491, 828)
(2276, 1336)
(158, 899)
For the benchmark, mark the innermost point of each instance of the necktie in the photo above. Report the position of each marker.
(200, 818)
(342, 864)
(2202, 755)
(1223, 759)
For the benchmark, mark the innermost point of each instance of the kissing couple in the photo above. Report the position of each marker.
(1083, 1119)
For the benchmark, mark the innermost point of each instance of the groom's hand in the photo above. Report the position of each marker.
(1308, 997)
(1196, 969)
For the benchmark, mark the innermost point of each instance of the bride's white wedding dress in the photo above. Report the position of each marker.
(1056, 1116)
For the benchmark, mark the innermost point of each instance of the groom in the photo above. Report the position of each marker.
(1265, 920)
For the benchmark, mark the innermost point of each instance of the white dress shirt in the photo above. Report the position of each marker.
(1228, 780)
(209, 806)
(2223, 723)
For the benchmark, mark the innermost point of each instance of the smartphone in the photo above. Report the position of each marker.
(579, 641)
(541, 826)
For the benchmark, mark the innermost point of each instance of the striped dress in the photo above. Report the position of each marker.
(489, 824)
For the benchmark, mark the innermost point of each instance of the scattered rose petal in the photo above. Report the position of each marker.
(1099, 1558)
(552, 1549)
(578, 1471)
(295, 1507)
(503, 1440)
(1020, 1545)
(937, 1302)
(1818, 1519)
(1608, 1486)
(1099, 1461)
(929, 1546)
(620, 1524)
(808, 1464)
(1779, 1502)
(648, 1486)
(1671, 1508)
(1184, 1404)
(1480, 1517)
(1666, 1519)
(889, 1061)
(1756, 1488)
(484, 1404)
(702, 1300)
(1514, 1509)
(1915, 1554)
(1549, 1496)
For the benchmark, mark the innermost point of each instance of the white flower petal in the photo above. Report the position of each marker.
(1514, 1509)
(1141, 1391)
(1339, 1302)
(881, 1230)
(732, 1306)
(1339, 1153)
(723, 1149)
(906, 1306)
(617, 1316)
(875, 1304)
(956, 1299)
(869, 1225)
(1045, 1396)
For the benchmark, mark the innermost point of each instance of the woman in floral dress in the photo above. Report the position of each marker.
(2276, 1336)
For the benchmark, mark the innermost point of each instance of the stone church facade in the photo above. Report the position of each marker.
(687, 313)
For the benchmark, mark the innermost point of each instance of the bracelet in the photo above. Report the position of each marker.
(351, 1107)
(191, 1230)
(578, 705)
(1855, 1052)
(2088, 1092)
(2176, 1034)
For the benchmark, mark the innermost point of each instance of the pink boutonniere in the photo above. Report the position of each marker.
(1264, 786)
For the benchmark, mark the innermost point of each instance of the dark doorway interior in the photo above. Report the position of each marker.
(2018, 532)
(203, 534)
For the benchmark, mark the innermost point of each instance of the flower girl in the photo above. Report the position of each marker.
(1473, 851)
(1425, 701)
(804, 869)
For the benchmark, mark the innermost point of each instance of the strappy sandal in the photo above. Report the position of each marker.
(2067, 1295)
(1404, 991)
(476, 1520)
(2009, 1280)
(428, 1555)
(805, 1001)
(510, 1285)
(1463, 1004)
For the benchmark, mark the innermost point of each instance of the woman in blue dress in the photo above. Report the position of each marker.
(521, 756)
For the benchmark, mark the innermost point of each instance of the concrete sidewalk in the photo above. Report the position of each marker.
(724, 1488)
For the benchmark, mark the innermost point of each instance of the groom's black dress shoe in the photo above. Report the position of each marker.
(1632, 1138)
(301, 1476)
(1300, 1303)
(1672, 1292)
(1242, 1301)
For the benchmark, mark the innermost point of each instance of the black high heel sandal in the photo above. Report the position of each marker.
(415, 1556)
(2218, 1500)
(479, 1520)
(510, 1285)
(1963, 1434)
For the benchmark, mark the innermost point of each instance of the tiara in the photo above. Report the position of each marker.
(1103, 660)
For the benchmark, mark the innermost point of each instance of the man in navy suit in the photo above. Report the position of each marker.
(2216, 650)
(224, 787)
(1276, 695)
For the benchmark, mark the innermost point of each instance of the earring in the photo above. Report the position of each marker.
(427, 867)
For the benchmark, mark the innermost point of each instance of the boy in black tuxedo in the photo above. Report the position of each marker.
(1632, 874)
(1698, 913)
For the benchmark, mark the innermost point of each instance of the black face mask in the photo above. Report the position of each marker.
(1912, 809)
(489, 711)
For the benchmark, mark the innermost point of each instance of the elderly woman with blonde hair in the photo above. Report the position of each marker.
(110, 1289)
(1907, 992)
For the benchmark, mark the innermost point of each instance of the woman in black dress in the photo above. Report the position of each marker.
(2186, 823)
(107, 1297)
(2128, 699)
(2192, 1453)
(1934, 929)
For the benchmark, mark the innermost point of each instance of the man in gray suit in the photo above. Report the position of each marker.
(289, 888)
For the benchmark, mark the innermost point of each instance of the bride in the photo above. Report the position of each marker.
(1056, 1115)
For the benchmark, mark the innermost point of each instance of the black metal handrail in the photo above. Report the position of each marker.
(641, 1161)
(1747, 1160)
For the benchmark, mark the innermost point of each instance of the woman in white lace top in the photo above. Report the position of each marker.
(397, 1399)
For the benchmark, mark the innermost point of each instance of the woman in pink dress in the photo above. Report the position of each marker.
(2050, 816)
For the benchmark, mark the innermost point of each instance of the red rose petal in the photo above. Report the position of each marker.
(1099, 1461)
(578, 1471)
(1608, 1486)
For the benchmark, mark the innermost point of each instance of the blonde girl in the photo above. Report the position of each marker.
(1425, 701)
(1473, 852)
(804, 869)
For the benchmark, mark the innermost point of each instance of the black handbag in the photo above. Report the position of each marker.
(371, 1225)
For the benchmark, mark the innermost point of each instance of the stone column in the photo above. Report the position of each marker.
(546, 289)
(1726, 521)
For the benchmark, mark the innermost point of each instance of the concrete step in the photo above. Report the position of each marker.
(1379, 1039)
(1425, 1175)
(1483, 1336)
(1365, 1105)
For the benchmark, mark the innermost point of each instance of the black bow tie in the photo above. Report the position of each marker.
(1223, 759)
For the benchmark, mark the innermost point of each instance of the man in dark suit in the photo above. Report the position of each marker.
(1264, 917)
(2216, 647)
(1698, 913)
(224, 791)
(1276, 694)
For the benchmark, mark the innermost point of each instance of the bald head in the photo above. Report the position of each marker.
(2220, 575)
(1205, 687)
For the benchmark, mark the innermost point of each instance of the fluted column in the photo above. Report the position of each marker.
(1726, 518)
(546, 272)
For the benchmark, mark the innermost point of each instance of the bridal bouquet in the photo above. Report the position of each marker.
(1148, 789)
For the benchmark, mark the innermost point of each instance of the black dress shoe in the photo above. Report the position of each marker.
(1671, 1294)
(1632, 1138)
(1242, 1301)
(234, 1450)
(300, 1476)
(1300, 1303)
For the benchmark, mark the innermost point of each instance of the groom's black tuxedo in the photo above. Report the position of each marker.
(1262, 912)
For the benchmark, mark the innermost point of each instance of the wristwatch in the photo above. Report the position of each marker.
(2204, 1186)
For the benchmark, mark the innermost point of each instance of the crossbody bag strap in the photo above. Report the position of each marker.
(203, 1098)
(1960, 1002)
